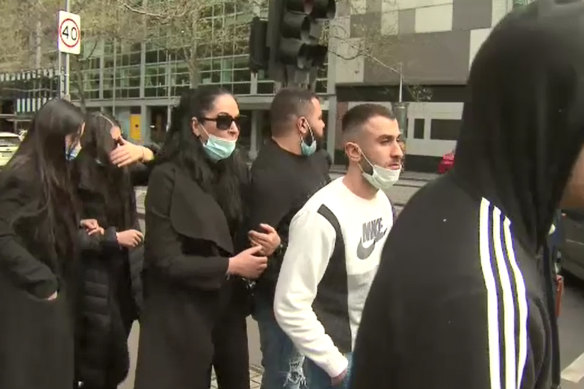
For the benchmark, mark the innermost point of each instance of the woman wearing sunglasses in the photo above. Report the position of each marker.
(195, 300)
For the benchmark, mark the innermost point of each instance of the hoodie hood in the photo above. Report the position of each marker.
(523, 120)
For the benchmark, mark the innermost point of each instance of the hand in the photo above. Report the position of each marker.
(336, 381)
(268, 240)
(53, 297)
(91, 227)
(247, 264)
(127, 153)
(130, 238)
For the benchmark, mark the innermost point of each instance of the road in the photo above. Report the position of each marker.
(571, 322)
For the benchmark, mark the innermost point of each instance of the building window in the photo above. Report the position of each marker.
(419, 128)
(221, 54)
(442, 129)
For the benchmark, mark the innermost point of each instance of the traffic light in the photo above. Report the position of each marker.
(258, 51)
(294, 31)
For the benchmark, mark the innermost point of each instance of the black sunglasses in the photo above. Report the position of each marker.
(224, 121)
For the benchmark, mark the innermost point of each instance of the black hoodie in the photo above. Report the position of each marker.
(463, 297)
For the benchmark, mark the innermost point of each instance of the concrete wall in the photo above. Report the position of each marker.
(434, 41)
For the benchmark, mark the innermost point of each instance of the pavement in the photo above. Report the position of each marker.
(571, 321)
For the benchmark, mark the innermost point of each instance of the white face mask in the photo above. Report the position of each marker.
(381, 178)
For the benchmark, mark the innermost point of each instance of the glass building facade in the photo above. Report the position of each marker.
(140, 82)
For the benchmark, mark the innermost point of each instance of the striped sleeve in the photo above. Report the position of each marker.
(462, 327)
(507, 307)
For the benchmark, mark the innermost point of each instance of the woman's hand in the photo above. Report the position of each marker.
(91, 227)
(130, 238)
(269, 240)
(128, 153)
(248, 264)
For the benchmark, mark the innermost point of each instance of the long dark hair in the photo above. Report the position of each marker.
(41, 159)
(223, 179)
(96, 173)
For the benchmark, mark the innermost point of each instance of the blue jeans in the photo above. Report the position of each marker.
(283, 364)
(319, 379)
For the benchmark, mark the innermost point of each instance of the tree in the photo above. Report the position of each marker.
(352, 41)
(101, 21)
(28, 33)
(195, 29)
(30, 44)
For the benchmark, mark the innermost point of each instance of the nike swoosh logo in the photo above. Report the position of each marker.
(365, 252)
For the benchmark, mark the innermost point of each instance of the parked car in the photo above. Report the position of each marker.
(446, 163)
(9, 143)
(572, 244)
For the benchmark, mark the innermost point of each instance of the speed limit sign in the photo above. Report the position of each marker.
(69, 40)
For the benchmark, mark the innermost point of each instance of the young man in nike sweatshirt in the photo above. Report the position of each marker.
(334, 247)
(464, 295)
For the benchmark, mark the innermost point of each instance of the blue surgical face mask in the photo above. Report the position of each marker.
(218, 148)
(308, 150)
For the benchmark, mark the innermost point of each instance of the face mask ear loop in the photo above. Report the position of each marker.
(310, 130)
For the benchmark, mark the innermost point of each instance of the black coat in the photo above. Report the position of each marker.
(36, 335)
(187, 247)
(110, 291)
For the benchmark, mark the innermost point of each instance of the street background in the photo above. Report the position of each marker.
(571, 322)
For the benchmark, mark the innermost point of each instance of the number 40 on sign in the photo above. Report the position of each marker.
(69, 39)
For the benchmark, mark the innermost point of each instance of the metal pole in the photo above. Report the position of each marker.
(169, 82)
(60, 70)
(114, 79)
(401, 81)
(67, 63)
(67, 75)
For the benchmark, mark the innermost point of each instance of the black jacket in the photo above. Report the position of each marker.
(36, 335)
(281, 183)
(110, 290)
(463, 297)
(188, 243)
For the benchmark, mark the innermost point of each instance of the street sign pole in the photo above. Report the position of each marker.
(67, 65)
(68, 42)
(60, 70)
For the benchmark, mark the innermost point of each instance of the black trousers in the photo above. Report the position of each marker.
(231, 357)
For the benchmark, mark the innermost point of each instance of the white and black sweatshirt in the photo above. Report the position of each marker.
(334, 248)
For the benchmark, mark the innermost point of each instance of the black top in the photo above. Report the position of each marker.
(464, 296)
(458, 301)
(281, 182)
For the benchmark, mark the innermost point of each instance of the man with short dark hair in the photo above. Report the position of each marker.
(286, 172)
(334, 248)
